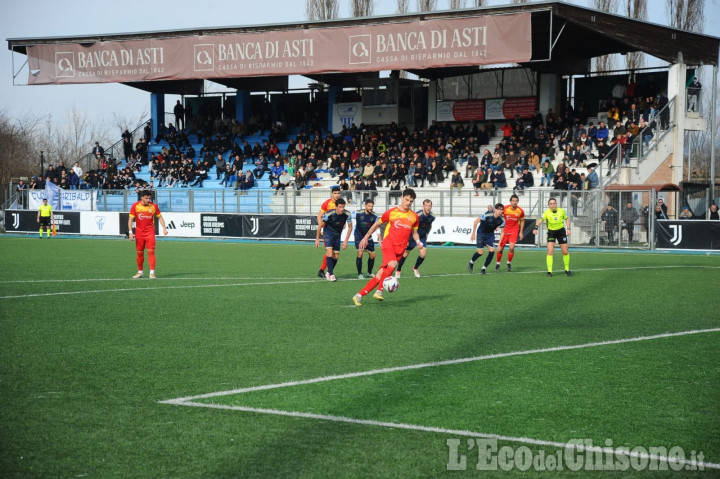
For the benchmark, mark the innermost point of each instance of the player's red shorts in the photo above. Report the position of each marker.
(390, 254)
(511, 238)
(145, 242)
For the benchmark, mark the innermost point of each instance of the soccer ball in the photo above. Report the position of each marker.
(390, 284)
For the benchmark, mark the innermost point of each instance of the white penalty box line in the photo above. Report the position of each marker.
(259, 281)
(191, 400)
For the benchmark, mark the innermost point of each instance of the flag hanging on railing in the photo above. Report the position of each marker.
(52, 193)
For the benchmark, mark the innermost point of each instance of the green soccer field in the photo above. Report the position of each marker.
(239, 362)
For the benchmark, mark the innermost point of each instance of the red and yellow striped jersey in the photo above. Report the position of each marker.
(512, 219)
(400, 225)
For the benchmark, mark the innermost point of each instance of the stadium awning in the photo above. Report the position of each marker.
(551, 36)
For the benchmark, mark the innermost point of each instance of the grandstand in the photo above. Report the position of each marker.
(548, 73)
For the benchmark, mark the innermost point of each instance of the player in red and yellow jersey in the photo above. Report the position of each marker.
(143, 213)
(514, 223)
(324, 208)
(402, 222)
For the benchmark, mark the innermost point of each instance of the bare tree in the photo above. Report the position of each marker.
(426, 5)
(605, 63)
(457, 4)
(636, 9)
(402, 6)
(321, 9)
(362, 8)
(479, 3)
(19, 149)
(73, 139)
(129, 122)
(686, 14)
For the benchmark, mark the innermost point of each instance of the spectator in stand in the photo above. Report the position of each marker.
(78, 171)
(50, 174)
(685, 214)
(73, 180)
(201, 174)
(629, 216)
(435, 174)
(277, 170)
(127, 145)
(592, 181)
(592, 133)
(610, 218)
(511, 160)
(479, 181)
(534, 162)
(472, 165)
(456, 181)
(633, 115)
(660, 213)
(602, 133)
(162, 131)
(246, 182)
(548, 173)
(227, 175)
(693, 92)
(179, 112)
(603, 149)
(147, 132)
(574, 182)
(448, 164)
(261, 166)
(98, 150)
(498, 180)
(619, 130)
(712, 213)
(219, 166)
(420, 174)
(524, 181)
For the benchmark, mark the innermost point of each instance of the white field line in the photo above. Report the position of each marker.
(271, 281)
(188, 401)
(187, 286)
(457, 432)
(438, 363)
(130, 280)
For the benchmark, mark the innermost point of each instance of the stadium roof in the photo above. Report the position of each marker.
(563, 39)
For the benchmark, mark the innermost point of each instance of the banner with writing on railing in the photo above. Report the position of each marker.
(70, 200)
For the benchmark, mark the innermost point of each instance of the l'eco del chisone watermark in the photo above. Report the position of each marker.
(483, 454)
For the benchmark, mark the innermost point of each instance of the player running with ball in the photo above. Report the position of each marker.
(402, 222)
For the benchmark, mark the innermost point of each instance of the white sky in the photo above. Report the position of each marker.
(45, 18)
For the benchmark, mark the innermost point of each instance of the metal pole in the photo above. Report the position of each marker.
(713, 131)
(42, 163)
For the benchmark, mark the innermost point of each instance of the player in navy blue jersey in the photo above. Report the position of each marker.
(426, 221)
(363, 222)
(332, 223)
(485, 227)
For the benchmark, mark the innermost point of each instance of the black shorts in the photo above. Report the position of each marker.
(370, 246)
(45, 221)
(557, 235)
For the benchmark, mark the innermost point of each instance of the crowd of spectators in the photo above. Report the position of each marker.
(551, 147)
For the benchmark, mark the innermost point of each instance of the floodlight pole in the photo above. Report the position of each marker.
(42, 163)
(713, 132)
